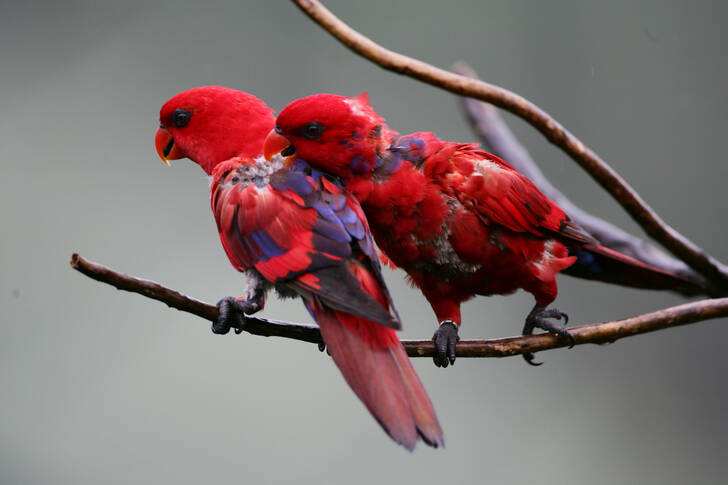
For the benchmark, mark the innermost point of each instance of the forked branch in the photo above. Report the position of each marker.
(643, 214)
(586, 334)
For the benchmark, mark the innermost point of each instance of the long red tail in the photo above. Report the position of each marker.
(374, 363)
(600, 263)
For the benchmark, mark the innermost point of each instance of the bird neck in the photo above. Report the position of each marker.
(391, 169)
(239, 133)
(408, 149)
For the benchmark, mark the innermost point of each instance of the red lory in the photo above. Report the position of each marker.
(301, 233)
(460, 221)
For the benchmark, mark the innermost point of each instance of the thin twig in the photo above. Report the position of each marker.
(594, 334)
(675, 242)
(495, 134)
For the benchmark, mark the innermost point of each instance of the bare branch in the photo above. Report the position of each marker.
(495, 134)
(595, 334)
(675, 242)
(175, 299)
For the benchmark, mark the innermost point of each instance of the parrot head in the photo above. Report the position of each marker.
(212, 124)
(336, 134)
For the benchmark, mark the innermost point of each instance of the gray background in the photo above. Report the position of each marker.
(98, 386)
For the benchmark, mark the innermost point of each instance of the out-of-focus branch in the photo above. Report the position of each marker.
(595, 334)
(495, 134)
(676, 243)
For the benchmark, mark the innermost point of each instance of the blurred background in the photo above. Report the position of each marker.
(99, 386)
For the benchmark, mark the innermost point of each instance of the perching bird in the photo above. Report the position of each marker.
(460, 221)
(295, 230)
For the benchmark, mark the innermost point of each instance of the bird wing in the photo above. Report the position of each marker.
(303, 231)
(501, 195)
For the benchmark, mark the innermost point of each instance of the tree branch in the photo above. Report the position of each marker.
(175, 299)
(495, 134)
(643, 214)
(594, 334)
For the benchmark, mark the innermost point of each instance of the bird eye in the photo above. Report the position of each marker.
(181, 117)
(313, 130)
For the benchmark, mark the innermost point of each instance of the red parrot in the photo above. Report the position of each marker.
(295, 230)
(460, 221)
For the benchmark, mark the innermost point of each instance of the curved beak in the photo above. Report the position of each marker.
(276, 143)
(166, 148)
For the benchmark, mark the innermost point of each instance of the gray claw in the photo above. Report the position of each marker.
(445, 339)
(231, 314)
(528, 356)
(539, 318)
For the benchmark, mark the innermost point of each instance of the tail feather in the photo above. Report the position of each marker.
(600, 263)
(375, 365)
(420, 403)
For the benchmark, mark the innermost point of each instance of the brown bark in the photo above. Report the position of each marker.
(595, 334)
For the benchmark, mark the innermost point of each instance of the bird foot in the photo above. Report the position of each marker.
(540, 318)
(232, 314)
(323, 348)
(445, 338)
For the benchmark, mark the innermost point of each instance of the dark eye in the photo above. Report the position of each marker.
(181, 117)
(313, 130)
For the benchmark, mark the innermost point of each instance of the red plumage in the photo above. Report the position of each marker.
(303, 235)
(460, 221)
(375, 365)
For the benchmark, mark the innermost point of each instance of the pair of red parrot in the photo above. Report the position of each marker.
(460, 221)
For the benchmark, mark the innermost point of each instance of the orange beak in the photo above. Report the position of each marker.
(276, 143)
(166, 148)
